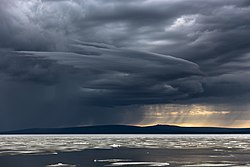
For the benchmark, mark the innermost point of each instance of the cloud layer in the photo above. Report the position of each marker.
(87, 59)
(84, 85)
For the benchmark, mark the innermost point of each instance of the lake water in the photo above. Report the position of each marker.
(124, 150)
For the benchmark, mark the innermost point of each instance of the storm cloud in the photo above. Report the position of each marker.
(74, 62)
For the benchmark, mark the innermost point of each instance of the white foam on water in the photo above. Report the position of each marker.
(221, 156)
(139, 163)
(115, 145)
(218, 150)
(61, 165)
(208, 164)
(111, 160)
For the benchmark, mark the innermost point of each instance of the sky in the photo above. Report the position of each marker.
(136, 62)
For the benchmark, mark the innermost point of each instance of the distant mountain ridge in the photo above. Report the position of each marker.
(126, 129)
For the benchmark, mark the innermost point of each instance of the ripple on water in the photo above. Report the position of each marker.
(27, 145)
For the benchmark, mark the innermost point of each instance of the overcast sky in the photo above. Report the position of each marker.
(139, 62)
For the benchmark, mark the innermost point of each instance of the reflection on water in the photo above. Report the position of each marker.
(125, 150)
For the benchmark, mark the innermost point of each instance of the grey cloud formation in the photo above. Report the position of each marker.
(115, 76)
(72, 88)
(122, 65)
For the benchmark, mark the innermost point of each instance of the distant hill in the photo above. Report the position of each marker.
(125, 129)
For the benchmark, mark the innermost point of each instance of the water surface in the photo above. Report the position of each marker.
(124, 150)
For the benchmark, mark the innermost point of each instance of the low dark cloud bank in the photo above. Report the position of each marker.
(80, 62)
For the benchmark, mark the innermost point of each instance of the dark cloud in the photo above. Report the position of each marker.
(43, 51)
(83, 87)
